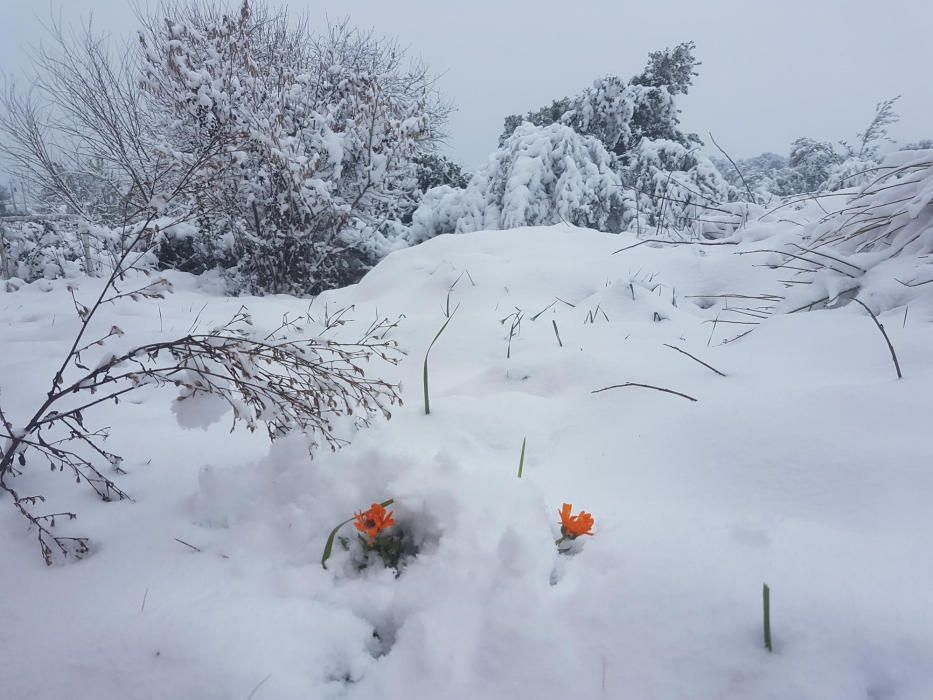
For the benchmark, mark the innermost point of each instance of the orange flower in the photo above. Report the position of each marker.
(373, 521)
(573, 526)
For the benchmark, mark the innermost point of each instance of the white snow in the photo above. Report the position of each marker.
(806, 467)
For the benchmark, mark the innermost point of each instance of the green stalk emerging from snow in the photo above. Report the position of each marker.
(521, 459)
(427, 398)
(766, 609)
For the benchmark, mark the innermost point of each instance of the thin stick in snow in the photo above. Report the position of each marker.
(661, 240)
(751, 197)
(644, 386)
(258, 686)
(897, 365)
(684, 352)
(556, 332)
(196, 549)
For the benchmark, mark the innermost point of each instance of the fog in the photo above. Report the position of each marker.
(771, 72)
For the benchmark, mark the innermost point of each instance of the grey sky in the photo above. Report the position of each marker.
(771, 71)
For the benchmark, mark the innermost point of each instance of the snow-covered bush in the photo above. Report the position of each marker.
(874, 242)
(762, 173)
(851, 172)
(811, 163)
(6, 202)
(276, 380)
(676, 188)
(819, 166)
(54, 248)
(435, 170)
(300, 152)
(540, 176)
(890, 216)
(442, 209)
(320, 136)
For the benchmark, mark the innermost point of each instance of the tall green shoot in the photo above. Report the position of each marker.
(427, 398)
(766, 609)
(521, 459)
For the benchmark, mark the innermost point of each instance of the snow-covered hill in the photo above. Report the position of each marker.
(808, 466)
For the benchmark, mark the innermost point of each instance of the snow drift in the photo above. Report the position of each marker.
(805, 466)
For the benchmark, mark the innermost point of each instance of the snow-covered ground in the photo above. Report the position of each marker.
(808, 466)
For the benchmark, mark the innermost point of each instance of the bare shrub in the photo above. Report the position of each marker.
(272, 380)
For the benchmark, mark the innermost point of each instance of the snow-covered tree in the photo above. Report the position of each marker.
(621, 113)
(606, 111)
(617, 113)
(675, 186)
(90, 189)
(540, 176)
(671, 68)
(434, 170)
(815, 166)
(320, 138)
(550, 114)
(759, 172)
(297, 149)
(80, 138)
(812, 162)
(638, 123)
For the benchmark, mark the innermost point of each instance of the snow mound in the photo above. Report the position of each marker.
(803, 467)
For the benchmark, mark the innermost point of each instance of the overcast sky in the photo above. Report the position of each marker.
(771, 71)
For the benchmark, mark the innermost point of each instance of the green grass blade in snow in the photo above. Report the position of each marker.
(427, 398)
(521, 459)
